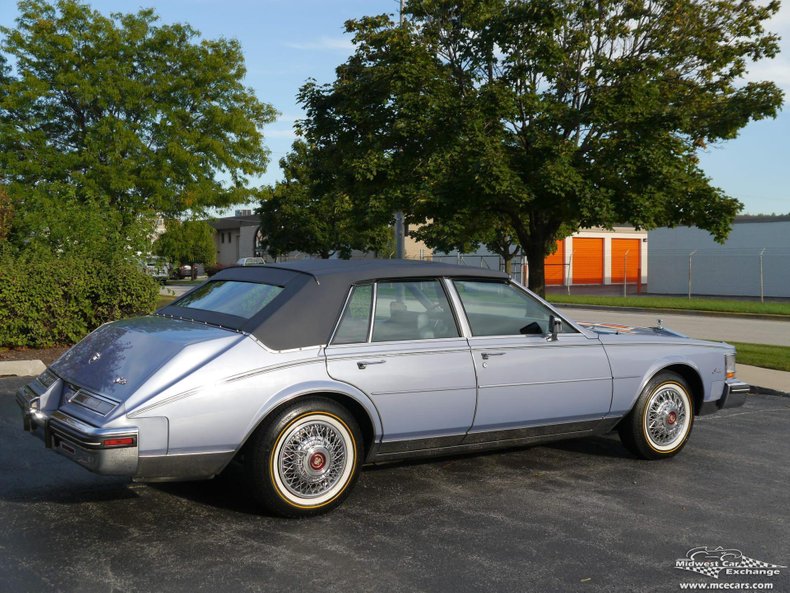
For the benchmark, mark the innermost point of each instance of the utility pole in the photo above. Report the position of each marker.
(400, 230)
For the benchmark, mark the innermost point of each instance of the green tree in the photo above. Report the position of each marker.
(306, 212)
(189, 242)
(545, 116)
(121, 116)
(6, 214)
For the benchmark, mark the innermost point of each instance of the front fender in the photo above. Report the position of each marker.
(634, 365)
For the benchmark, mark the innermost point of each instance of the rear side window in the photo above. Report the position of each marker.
(355, 323)
(242, 299)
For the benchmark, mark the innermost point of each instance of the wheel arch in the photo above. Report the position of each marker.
(692, 378)
(364, 412)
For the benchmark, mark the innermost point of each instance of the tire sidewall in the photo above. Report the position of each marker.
(681, 388)
(262, 463)
(633, 431)
(345, 479)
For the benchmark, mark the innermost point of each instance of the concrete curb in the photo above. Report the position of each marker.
(755, 390)
(21, 368)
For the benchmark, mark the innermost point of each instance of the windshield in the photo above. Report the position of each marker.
(242, 299)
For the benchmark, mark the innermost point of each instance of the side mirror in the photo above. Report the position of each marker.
(555, 325)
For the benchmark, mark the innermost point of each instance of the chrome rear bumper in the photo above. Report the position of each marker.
(108, 451)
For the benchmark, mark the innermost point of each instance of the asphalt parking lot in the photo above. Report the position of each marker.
(575, 516)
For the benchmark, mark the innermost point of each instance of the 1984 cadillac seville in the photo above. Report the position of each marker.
(305, 371)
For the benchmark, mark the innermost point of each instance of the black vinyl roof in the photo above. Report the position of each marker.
(305, 312)
(353, 271)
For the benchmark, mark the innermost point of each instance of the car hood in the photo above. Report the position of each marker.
(120, 358)
(616, 328)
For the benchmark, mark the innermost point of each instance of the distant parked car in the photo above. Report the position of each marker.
(158, 268)
(184, 271)
(251, 261)
(303, 372)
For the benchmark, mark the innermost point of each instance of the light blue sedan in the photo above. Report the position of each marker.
(306, 371)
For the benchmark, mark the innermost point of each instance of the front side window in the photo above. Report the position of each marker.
(412, 310)
(501, 309)
(242, 299)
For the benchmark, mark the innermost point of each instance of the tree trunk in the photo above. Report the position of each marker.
(535, 252)
(532, 236)
(508, 265)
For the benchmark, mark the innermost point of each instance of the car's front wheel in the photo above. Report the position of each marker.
(306, 460)
(660, 423)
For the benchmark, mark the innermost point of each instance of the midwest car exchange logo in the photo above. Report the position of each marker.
(713, 562)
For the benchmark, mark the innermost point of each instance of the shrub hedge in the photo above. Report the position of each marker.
(50, 301)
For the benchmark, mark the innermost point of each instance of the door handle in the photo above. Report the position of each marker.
(487, 355)
(363, 364)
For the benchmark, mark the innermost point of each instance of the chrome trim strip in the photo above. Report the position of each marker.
(510, 434)
(372, 320)
(437, 390)
(240, 377)
(73, 399)
(491, 440)
(497, 385)
(181, 466)
(459, 312)
(271, 369)
(85, 434)
(388, 354)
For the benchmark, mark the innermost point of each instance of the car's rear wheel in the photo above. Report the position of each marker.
(660, 423)
(306, 460)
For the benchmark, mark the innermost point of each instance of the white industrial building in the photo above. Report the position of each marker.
(754, 261)
(236, 236)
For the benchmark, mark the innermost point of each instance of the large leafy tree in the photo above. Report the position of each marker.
(545, 116)
(6, 214)
(188, 242)
(308, 212)
(121, 116)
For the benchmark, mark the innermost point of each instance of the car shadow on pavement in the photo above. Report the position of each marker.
(229, 491)
(72, 494)
(600, 446)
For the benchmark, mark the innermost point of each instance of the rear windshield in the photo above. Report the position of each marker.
(242, 299)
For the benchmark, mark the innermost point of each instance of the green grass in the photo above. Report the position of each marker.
(164, 300)
(760, 355)
(677, 303)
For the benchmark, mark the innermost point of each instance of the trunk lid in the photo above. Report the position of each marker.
(119, 358)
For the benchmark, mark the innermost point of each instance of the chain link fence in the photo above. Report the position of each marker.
(750, 272)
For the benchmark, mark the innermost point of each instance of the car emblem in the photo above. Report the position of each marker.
(94, 358)
(120, 380)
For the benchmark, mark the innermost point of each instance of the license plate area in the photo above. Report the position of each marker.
(72, 450)
(66, 448)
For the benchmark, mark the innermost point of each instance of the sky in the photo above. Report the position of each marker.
(287, 42)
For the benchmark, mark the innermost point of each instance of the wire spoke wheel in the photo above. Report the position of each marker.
(666, 417)
(660, 422)
(313, 459)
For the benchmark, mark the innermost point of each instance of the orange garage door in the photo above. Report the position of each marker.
(555, 266)
(626, 260)
(587, 261)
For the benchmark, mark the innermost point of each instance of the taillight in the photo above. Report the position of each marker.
(119, 442)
